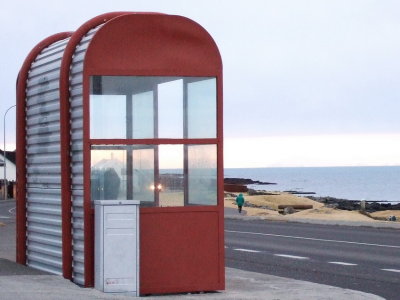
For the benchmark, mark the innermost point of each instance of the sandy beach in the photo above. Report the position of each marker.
(267, 206)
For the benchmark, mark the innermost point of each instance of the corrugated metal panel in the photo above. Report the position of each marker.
(76, 108)
(44, 235)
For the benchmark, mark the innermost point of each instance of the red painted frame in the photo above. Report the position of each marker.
(129, 46)
(21, 147)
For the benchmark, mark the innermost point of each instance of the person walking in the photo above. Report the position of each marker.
(240, 202)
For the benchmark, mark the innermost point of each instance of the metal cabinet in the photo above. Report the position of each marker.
(117, 246)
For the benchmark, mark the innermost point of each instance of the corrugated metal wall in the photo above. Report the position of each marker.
(44, 240)
(76, 102)
(44, 234)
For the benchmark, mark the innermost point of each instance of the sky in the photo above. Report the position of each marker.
(306, 83)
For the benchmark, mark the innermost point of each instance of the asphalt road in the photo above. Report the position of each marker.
(7, 229)
(359, 258)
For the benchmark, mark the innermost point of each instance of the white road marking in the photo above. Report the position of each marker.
(391, 270)
(247, 250)
(341, 263)
(291, 256)
(4, 217)
(11, 210)
(313, 239)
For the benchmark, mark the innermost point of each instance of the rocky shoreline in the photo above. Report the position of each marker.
(343, 204)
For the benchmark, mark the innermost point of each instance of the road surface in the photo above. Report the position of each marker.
(359, 258)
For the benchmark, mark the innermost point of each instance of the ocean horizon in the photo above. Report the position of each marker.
(352, 183)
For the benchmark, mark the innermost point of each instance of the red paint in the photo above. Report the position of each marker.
(182, 248)
(21, 143)
(153, 141)
(153, 45)
(173, 242)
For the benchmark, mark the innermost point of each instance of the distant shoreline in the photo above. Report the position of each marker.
(334, 202)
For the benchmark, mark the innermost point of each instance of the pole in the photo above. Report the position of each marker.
(5, 186)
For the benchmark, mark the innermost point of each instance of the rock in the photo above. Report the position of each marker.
(299, 193)
(229, 195)
(288, 210)
(252, 192)
(296, 206)
(244, 181)
(235, 188)
(248, 204)
(370, 206)
(392, 218)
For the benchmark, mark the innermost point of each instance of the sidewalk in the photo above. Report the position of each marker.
(20, 282)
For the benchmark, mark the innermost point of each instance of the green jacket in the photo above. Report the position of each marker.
(240, 200)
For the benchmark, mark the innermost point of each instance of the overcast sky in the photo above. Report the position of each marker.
(305, 82)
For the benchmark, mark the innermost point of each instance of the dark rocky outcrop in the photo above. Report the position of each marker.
(235, 188)
(252, 192)
(299, 193)
(244, 181)
(370, 206)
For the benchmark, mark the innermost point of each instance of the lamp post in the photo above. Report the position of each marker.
(5, 187)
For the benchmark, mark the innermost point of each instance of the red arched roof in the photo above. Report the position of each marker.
(152, 44)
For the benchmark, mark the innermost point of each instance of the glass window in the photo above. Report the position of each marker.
(156, 175)
(107, 117)
(108, 173)
(171, 175)
(143, 115)
(143, 186)
(146, 107)
(153, 107)
(202, 109)
(202, 174)
(170, 109)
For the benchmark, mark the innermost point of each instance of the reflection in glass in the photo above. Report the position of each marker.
(202, 174)
(107, 117)
(171, 175)
(108, 174)
(143, 174)
(202, 110)
(156, 175)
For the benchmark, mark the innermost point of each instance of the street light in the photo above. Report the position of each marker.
(5, 155)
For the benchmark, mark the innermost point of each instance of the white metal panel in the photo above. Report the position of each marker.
(43, 203)
(117, 246)
(76, 108)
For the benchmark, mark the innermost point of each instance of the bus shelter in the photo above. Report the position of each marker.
(127, 107)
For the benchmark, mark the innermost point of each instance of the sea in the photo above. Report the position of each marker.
(352, 183)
